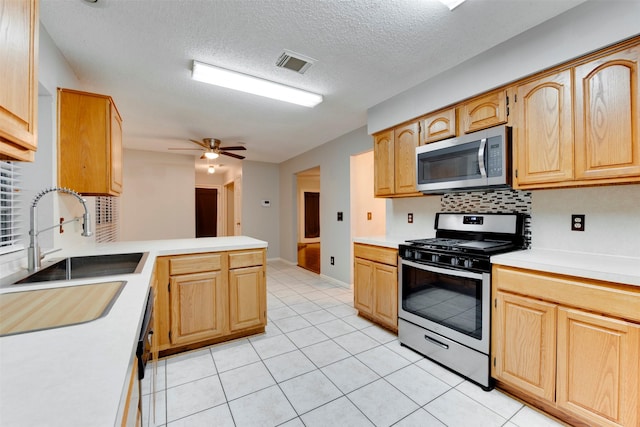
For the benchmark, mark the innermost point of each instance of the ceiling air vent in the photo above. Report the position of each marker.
(294, 61)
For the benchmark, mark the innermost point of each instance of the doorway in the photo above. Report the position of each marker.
(206, 212)
(308, 202)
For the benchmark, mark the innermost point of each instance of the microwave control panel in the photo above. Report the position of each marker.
(494, 161)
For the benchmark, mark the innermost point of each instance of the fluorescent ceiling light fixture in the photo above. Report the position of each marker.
(452, 4)
(243, 82)
(211, 155)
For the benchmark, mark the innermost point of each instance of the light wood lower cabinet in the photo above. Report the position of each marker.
(568, 345)
(210, 297)
(132, 416)
(375, 284)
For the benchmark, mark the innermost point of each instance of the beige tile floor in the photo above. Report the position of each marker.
(319, 364)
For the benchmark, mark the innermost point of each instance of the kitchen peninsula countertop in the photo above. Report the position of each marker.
(610, 268)
(77, 375)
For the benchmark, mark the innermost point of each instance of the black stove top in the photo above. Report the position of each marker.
(466, 241)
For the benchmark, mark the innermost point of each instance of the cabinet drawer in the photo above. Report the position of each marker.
(245, 259)
(376, 253)
(602, 297)
(194, 263)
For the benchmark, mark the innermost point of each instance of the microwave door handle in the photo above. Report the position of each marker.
(481, 151)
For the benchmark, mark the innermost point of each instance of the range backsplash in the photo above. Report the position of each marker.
(491, 201)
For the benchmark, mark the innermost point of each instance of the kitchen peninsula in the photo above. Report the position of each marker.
(80, 374)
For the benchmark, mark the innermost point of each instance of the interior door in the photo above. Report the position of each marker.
(206, 212)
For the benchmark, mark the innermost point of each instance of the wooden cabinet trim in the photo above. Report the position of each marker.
(376, 253)
(187, 264)
(613, 299)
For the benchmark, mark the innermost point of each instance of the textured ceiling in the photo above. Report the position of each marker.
(140, 53)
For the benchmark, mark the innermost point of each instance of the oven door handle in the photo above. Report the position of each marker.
(450, 272)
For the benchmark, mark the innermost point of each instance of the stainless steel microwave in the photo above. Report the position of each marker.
(473, 161)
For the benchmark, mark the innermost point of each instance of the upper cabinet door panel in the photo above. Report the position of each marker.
(438, 126)
(18, 68)
(383, 165)
(543, 137)
(484, 111)
(406, 141)
(607, 116)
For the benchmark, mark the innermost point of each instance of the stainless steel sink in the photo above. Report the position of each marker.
(89, 266)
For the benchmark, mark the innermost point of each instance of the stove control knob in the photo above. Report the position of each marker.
(435, 257)
(454, 261)
(468, 263)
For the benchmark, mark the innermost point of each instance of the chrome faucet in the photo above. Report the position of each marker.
(34, 259)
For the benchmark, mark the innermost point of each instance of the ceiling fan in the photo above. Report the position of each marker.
(212, 149)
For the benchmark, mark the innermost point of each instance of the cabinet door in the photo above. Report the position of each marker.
(363, 285)
(406, 140)
(543, 133)
(484, 111)
(598, 368)
(525, 347)
(19, 25)
(246, 298)
(607, 116)
(116, 150)
(198, 307)
(438, 126)
(385, 291)
(383, 164)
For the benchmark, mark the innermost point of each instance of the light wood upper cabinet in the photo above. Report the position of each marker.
(608, 116)
(89, 143)
(375, 284)
(598, 368)
(19, 25)
(198, 307)
(525, 344)
(542, 130)
(484, 111)
(394, 153)
(440, 125)
(407, 138)
(383, 166)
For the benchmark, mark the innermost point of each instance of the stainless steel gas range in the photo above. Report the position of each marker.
(445, 289)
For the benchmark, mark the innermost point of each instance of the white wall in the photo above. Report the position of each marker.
(158, 196)
(612, 222)
(587, 27)
(334, 161)
(260, 182)
(362, 200)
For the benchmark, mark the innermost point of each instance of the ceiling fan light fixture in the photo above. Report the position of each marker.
(211, 155)
(246, 83)
(452, 4)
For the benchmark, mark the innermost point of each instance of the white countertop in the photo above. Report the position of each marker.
(610, 268)
(75, 375)
(385, 241)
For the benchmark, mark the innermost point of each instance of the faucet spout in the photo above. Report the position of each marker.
(34, 258)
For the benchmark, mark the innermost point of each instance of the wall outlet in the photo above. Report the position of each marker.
(410, 218)
(332, 261)
(577, 222)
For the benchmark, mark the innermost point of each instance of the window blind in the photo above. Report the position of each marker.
(10, 221)
(106, 219)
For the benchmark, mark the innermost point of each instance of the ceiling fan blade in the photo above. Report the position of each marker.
(232, 155)
(200, 143)
(234, 148)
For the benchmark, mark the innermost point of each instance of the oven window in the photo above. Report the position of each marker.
(455, 302)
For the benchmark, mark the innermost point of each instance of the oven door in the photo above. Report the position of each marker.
(452, 303)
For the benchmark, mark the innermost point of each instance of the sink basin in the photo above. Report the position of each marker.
(89, 266)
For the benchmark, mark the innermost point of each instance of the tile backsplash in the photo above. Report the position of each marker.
(491, 201)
